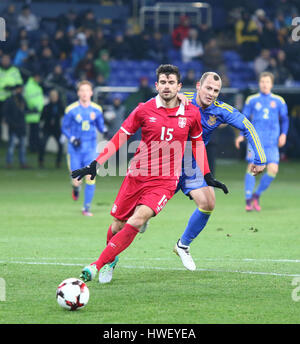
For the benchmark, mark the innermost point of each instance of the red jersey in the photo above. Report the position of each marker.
(164, 136)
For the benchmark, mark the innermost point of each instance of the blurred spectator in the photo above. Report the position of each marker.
(15, 109)
(34, 96)
(98, 41)
(291, 49)
(67, 20)
(260, 19)
(89, 20)
(281, 27)
(102, 64)
(22, 54)
(80, 48)
(139, 44)
(157, 50)
(262, 62)
(286, 7)
(181, 32)
(205, 33)
(51, 126)
(22, 35)
(279, 69)
(247, 36)
(63, 44)
(9, 45)
(57, 78)
(143, 94)
(27, 20)
(47, 62)
(10, 17)
(31, 62)
(114, 116)
(191, 48)
(85, 69)
(190, 79)
(119, 48)
(45, 42)
(213, 57)
(269, 37)
(100, 97)
(10, 76)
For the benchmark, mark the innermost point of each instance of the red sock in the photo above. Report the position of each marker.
(118, 243)
(110, 234)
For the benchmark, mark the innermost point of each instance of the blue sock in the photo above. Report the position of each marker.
(196, 223)
(265, 182)
(249, 185)
(89, 192)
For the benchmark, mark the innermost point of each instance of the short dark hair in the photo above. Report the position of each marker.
(168, 69)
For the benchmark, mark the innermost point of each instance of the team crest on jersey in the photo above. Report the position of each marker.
(78, 118)
(212, 119)
(92, 116)
(258, 106)
(181, 122)
(273, 104)
(114, 208)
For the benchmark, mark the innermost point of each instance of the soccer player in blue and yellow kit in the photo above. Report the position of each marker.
(269, 115)
(81, 121)
(213, 114)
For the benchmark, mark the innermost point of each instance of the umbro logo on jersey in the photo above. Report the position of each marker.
(152, 119)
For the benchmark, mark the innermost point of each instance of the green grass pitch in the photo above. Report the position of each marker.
(246, 262)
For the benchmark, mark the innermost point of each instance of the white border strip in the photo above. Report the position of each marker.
(155, 268)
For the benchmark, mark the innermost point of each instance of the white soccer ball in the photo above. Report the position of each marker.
(72, 294)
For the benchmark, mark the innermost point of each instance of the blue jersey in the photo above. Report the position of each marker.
(222, 113)
(82, 123)
(269, 115)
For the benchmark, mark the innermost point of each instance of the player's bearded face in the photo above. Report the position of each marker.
(168, 86)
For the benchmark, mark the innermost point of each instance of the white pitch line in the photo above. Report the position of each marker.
(157, 268)
(169, 259)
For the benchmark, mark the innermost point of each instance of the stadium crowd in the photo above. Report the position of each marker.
(78, 46)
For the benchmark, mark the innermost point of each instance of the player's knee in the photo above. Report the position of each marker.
(76, 182)
(207, 205)
(272, 170)
(138, 220)
(89, 181)
(210, 206)
(117, 225)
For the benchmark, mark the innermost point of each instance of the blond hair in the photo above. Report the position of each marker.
(84, 82)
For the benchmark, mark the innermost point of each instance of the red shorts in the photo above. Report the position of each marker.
(133, 192)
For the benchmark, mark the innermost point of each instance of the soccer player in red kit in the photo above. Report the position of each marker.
(153, 174)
